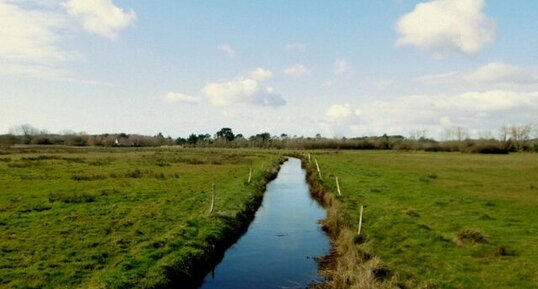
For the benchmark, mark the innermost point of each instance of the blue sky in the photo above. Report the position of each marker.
(339, 68)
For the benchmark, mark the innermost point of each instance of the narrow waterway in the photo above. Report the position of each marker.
(278, 249)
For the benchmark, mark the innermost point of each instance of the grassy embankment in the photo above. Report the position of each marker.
(431, 220)
(121, 218)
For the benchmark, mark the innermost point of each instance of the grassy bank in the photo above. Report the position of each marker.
(121, 218)
(431, 220)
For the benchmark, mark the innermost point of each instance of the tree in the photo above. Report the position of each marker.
(520, 135)
(192, 139)
(160, 139)
(225, 133)
(26, 130)
(419, 134)
(458, 133)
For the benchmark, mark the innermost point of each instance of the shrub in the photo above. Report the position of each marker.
(135, 174)
(488, 148)
(71, 198)
(471, 236)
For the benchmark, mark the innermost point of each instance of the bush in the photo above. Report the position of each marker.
(488, 148)
(71, 198)
(471, 236)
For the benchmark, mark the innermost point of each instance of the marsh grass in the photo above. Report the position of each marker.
(432, 220)
(119, 218)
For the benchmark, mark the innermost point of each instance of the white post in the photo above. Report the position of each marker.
(309, 158)
(317, 166)
(212, 199)
(360, 222)
(250, 175)
(338, 187)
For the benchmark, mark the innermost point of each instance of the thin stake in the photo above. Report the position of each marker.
(212, 198)
(317, 166)
(250, 175)
(338, 187)
(309, 158)
(360, 222)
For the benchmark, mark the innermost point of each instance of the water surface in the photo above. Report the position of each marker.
(278, 249)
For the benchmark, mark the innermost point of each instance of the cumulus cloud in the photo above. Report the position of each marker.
(29, 40)
(32, 33)
(338, 111)
(492, 75)
(227, 49)
(341, 67)
(296, 70)
(477, 110)
(261, 74)
(246, 89)
(442, 26)
(101, 17)
(173, 97)
(501, 73)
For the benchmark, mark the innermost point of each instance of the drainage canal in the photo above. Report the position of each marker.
(279, 247)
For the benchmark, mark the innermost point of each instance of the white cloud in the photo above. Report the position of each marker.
(32, 33)
(501, 73)
(244, 90)
(476, 110)
(298, 47)
(224, 93)
(492, 75)
(227, 49)
(296, 70)
(338, 111)
(341, 67)
(441, 26)
(180, 97)
(101, 16)
(30, 44)
(261, 74)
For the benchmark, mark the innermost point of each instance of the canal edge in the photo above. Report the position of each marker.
(346, 265)
(200, 266)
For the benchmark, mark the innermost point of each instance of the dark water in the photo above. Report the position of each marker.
(277, 250)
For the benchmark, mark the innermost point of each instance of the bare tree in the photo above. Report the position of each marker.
(418, 134)
(503, 133)
(485, 135)
(462, 133)
(519, 135)
(458, 133)
(25, 130)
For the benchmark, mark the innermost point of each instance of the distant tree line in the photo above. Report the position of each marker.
(510, 139)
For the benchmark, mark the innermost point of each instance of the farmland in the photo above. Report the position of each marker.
(120, 218)
(432, 220)
(139, 218)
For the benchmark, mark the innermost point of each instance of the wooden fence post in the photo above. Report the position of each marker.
(338, 187)
(317, 166)
(212, 198)
(360, 222)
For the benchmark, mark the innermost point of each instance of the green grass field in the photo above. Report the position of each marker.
(442, 220)
(117, 218)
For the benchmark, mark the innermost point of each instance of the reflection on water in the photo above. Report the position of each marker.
(278, 249)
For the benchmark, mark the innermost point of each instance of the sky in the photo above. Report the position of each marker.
(339, 68)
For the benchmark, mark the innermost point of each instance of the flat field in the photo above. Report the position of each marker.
(117, 218)
(442, 220)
